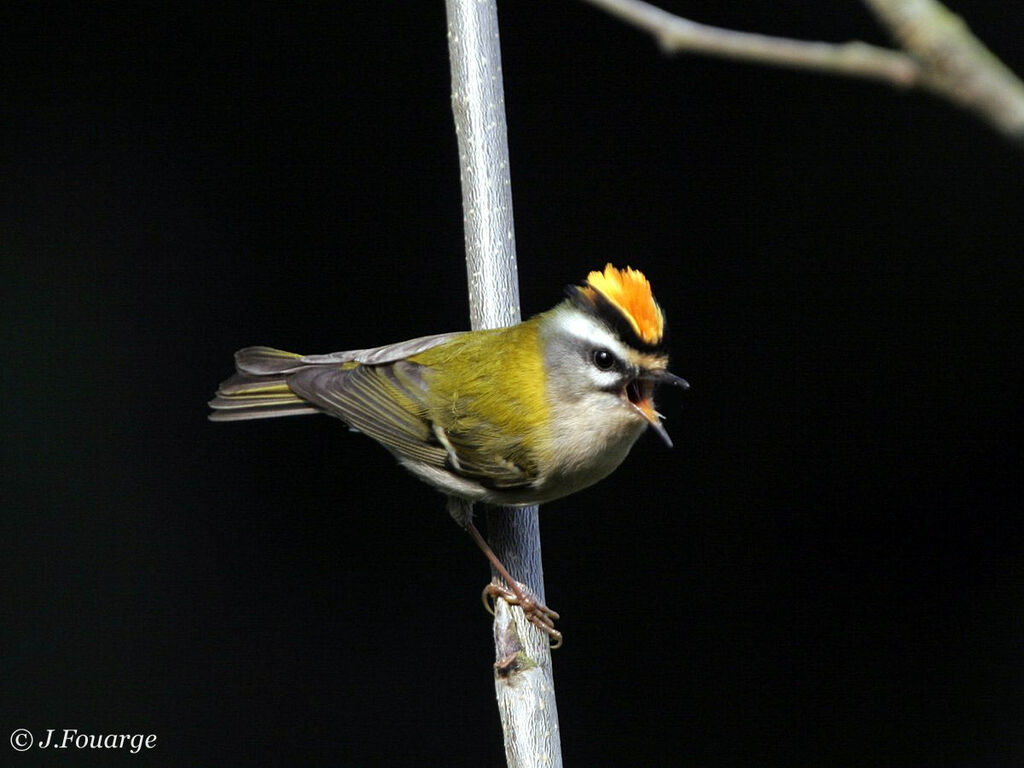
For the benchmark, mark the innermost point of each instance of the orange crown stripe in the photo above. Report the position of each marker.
(630, 292)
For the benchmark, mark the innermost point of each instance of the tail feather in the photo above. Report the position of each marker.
(266, 361)
(258, 389)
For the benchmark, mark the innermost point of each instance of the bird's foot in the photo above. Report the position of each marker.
(536, 612)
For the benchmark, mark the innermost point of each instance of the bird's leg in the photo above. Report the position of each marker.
(516, 593)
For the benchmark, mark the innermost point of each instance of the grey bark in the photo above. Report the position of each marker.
(522, 673)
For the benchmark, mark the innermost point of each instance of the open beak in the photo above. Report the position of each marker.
(639, 393)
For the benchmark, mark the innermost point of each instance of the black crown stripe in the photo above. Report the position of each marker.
(612, 316)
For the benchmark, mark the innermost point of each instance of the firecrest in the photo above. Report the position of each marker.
(512, 416)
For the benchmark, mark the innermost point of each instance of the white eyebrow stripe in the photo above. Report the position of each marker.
(588, 330)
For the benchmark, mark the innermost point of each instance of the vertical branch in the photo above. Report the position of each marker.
(523, 676)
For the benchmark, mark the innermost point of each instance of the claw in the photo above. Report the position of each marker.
(486, 596)
(538, 614)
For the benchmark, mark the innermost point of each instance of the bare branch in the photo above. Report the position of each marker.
(678, 35)
(955, 63)
(523, 677)
(941, 55)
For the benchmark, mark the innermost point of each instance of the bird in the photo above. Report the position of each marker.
(512, 416)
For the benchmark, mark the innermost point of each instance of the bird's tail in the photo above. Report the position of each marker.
(259, 389)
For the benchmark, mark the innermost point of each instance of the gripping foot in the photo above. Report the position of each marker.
(538, 614)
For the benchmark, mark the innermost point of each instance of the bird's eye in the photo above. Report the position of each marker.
(603, 359)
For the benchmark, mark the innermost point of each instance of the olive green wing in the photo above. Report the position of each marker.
(391, 404)
(259, 388)
(489, 458)
(383, 394)
(386, 402)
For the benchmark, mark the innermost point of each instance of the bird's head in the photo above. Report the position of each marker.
(606, 344)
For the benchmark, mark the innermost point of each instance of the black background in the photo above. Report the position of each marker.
(827, 568)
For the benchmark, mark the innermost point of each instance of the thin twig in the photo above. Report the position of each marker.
(941, 55)
(522, 673)
(678, 35)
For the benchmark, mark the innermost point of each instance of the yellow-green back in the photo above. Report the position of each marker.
(494, 393)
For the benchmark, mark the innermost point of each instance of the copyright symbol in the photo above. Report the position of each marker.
(21, 739)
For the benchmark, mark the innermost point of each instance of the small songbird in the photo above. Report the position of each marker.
(512, 416)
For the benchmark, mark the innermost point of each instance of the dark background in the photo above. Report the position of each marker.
(826, 570)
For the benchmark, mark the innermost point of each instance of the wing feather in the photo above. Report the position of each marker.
(389, 353)
(381, 393)
(495, 469)
(365, 399)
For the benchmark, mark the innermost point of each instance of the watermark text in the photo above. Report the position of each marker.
(22, 740)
